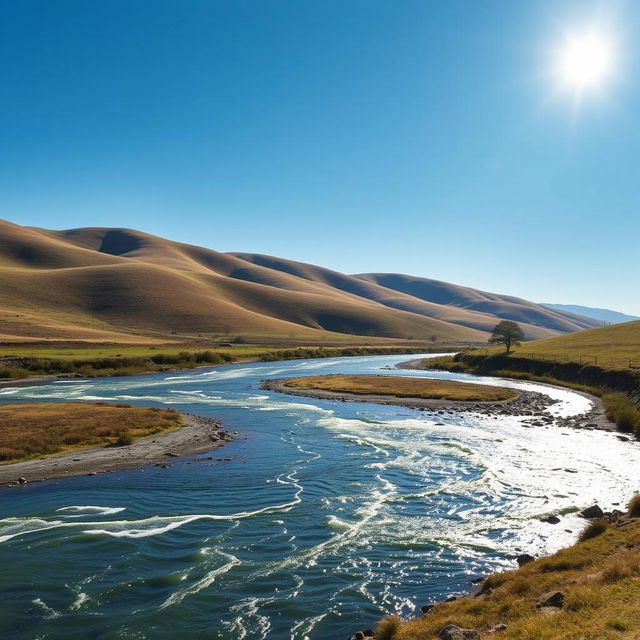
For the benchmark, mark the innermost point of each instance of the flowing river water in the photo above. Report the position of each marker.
(328, 516)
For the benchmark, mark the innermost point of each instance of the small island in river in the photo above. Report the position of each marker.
(443, 396)
(424, 393)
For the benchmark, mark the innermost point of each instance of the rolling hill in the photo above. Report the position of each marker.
(122, 285)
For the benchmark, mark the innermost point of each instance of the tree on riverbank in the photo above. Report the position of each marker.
(507, 333)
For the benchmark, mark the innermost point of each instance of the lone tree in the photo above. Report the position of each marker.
(507, 333)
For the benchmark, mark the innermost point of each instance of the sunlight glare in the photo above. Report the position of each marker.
(585, 61)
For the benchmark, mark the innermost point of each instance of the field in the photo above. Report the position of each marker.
(35, 429)
(21, 361)
(401, 387)
(600, 580)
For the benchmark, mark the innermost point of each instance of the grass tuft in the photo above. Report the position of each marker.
(593, 529)
(634, 506)
(387, 628)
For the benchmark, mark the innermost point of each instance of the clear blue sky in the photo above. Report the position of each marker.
(423, 137)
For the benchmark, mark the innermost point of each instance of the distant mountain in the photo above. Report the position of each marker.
(116, 285)
(605, 315)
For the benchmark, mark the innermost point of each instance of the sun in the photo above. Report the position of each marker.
(585, 61)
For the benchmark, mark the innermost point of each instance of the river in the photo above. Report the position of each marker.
(328, 515)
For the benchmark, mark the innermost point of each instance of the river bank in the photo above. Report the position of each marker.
(199, 434)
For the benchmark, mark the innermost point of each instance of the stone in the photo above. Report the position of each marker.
(425, 608)
(592, 512)
(22, 480)
(551, 519)
(499, 627)
(451, 599)
(523, 559)
(550, 611)
(359, 635)
(452, 632)
(550, 599)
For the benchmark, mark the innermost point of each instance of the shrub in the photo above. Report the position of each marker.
(124, 438)
(634, 506)
(593, 529)
(621, 410)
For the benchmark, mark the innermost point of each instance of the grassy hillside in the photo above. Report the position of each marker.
(599, 579)
(106, 284)
(482, 321)
(613, 346)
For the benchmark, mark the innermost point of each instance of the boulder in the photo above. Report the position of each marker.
(451, 632)
(425, 608)
(523, 559)
(359, 635)
(499, 627)
(22, 480)
(592, 512)
(551, 519)
(550, 599)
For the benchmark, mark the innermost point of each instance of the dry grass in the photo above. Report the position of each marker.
(103, 284)
(601, 580)
(34, 429)
(402, 387)
(609, 347)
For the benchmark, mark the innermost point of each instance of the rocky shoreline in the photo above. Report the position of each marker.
(198, 435)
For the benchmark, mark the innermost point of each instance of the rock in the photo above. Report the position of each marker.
(425, 608)
(22, 480)
(92, 473)
(623, 438)
(550, 611)
(359, 635)
(499, 627)
(592, 512)
(523, 559)
(550, 599)
(615, 515)
(172, 455)
(451, 632)
(551, 519)
(451, 599)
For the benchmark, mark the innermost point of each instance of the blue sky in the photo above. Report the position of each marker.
(421, 137)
